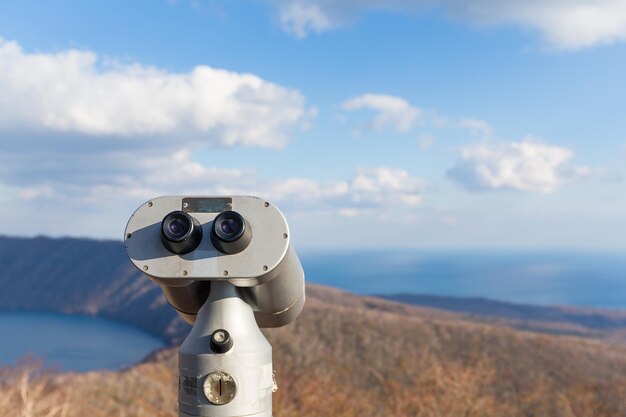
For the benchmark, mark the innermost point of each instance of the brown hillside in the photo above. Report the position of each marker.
(350, 356)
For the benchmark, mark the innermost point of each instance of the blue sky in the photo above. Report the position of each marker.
(426, 124)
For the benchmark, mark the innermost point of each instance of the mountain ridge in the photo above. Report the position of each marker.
(94, 277)
(346, 355)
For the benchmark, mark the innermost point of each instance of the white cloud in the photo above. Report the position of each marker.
(525, 166)
(565, 24)
(450, 220)
(368, 190)
(385, 186)
(393, 113)
(101, 138)
(75, 92)
(301, 18)
(390, 112)
(304, 190)
(179, 171)
(477, 127)
(425, 141)
(34, 193)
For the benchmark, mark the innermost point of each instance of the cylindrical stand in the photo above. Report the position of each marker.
(237, 382)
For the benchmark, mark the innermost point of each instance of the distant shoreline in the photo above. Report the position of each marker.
(95, 278)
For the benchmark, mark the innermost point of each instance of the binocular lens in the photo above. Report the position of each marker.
(180, 233)
(178, 227)
(230, 227)
(231, 233)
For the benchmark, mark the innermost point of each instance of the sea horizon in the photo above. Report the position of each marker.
(577, 277)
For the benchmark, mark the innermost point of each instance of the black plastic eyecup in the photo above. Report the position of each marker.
(187, 241)
(234, 242)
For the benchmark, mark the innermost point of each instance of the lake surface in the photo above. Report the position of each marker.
(72, 342)
(79, 343)
(548, 277)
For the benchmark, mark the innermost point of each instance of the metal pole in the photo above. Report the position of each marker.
(225, 363)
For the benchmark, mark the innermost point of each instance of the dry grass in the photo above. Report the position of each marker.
(343, 363)
(356, 361)
(26, 392)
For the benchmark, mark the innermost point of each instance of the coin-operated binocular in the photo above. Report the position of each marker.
(227, 266)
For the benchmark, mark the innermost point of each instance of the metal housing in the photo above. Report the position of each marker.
(267, 272)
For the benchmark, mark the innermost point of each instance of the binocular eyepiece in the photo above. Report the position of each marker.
(186, 243)
(181, 233)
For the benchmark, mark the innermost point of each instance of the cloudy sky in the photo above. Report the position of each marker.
(371, 123)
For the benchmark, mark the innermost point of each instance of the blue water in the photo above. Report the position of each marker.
(595, 279)
(79, 343)
(71, 342)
